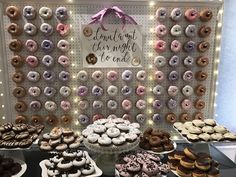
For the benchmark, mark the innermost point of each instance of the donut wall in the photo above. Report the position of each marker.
(45, 76)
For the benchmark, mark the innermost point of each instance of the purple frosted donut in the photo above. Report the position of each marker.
(174, 61)
(35, 106)
(171, 103)
(156, 117)
(64, 61)
(126, 90)
(61, 13)
(173, 76)
(97, 91)
(49, 91)
(140, 118)
(141, 90)
(159, 76)
(158, 90)
(175, 46)
(161, 30)
(127, 75)
(112, 76)
(47, 46)
(64, 76)
(141, 104)
(31, 45)
(188, 76)
(48, 61)
(189, 46)
(157, 104)
(32, 61)
(65, 106)
(83, 119)
(82, 90)
(63, 45)
(29, 12)
(49, 76)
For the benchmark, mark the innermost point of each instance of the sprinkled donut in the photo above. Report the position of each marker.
(173, 90)
(191, 31)
(112, 104)
(112, 90)
(140, 118)
(127, 75)
(206, 15)
(203, 46)
(204, 31)
(126, 90)
(141, 75)
(112, 76)
(64, 61)
(65, 91)
(64, 76)
(29, 12)
(47, 46)
(188, 76)
(157, 104)
(159, 76)
(176, 14)
(158, 90)
(14, 29)
(63, 45)
(31, 45)
(83, 119)
(171, 103)
(174, 61)
(35, 106)
(50, 106)
(141, 104)
(176, 30)
(49, 92)
(48, 61)
(82, 76)
(63, 29)
(82, 90)
(83, 104)
(65, 106)
(161, 30)
(175, 46)
(161, 14)
(15, 45)
(126, 105)
(186, 104)
(61, 13)
(156, 117)
(32, 61)
(187, 90)
(49, 76)
(33, 76)
(46, 29)
(160, 46)
(13, 12)
(97, 104)
(189, 46)
(30, 29)
(45, 13)
(97, 90)
(188, 61)
(18, 77)
(141, 90)
(34, 91)
(97, 76)
(191, 15)
(160, 61)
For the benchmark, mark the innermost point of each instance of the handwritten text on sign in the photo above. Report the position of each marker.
(116, 47)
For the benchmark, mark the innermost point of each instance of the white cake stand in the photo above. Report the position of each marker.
(107, 157)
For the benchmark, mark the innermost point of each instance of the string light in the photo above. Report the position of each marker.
(150, 122)
(0, 82)
(151, 42)
(71, 25)
(151, 17)
(74, 76)
(150, 100)
(72, 39)
(151, 30)
(76, 122)
(220, 24)
(150, 111)
(151, 3)
(217, 49)
(73, 64)
(70, 12)
(150, 66)
(74, 88)
(216, 115)
(3, 117)
(76, 100)
(218, 37)
(1, 94)
(150, 54)
(72, 52)
(216, 72)
(150, 77)
(3, 106)
(75, 112)
(0, 70)
(216, 93)
(217, 83)
(215, 105)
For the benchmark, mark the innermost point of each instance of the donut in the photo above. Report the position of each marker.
(48, 61)
(82, 76)
(97, 117)
(176, 30)
(201, 76)
(65, 105)
(20, 119)
(32, 61)
(61, 13)
(83, 119)
(126, 117)
(97, 76)
(206, 15)
(66, 119)
(204, 31)
(173, 76)
(15, 45)
(87, 31)
(49, 92)
(191, 14)
(159, 76)
(188, 76)
(187, 90)
(141, 90)
(202, 61)
(65, 91)
(175, 46)
(112, 76)
(140, 118)
(33, 76)
(199, 104)
(34, 91)
(19, 92)
(64, 76)
(35, 106)
(13, 12)
(186, 104)
(20, 106)
(51, 120)
(112, 105)
(171, 118)
(191, 31)
(29, 12)
(30, 29)
(160, 46)
(173, 90)
(91, 59)
(47, 46)
(46, 29)
(127, 75)
(141, 104)
(200, 90)
(199, 116)
(156, 118)
(36, 120)
(158, 90)
(160, 61)
(184, 117)
(126, 105)
(18, 77)
(171, 103)
(203, 46)
(176, 14)
(112, 90)
(50, 106)
(83, 104)
(141, 75)
(161, 14)
(97, 90)
(31, 45)
(189, 46)
(126, 90)
(157, 104)
(63, 45)
(82, 90)
(49, 76)
(188, 61)
(17, 61)
(97, 104)
(174, 61)
(161, 30)
(45, 13)
(14, 29)
(63, 29)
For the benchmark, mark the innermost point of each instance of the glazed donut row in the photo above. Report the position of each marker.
(30, 13)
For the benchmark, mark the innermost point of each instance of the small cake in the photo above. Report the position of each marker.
(205, 137)
(217, 136)
(194, 130)
(220, 129)
(198, 123)
(210, 122)
(208, 129)
(229, 136)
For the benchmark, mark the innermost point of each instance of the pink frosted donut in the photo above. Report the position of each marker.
(32, 61)
(65, 105)
(186, 104)
(140, 90)
(31, 45)
(159, 76)
(112, 76)
(175, 46)
(160, 46)
(97, 76)
(63, 29)
(63, 61)
(191, 14)
(161, 30)
(126, 105)
(97, 117)
(141, 104)
(127, 117)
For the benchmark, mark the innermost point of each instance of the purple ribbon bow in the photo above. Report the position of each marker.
(99, 17)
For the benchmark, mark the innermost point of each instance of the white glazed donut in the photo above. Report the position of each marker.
(160, 61)
(48, 61)
(49, 91)
(33, 76)
(188, 61)
(93, 138)
(127, 75)
(65, 91)
(112, 104)
(140, 118)
(176, 14)
(30, 29)
(97, 76)
(50, 106)
(82, 76)
(99, 129)
(141, 75)
(141, 104)
(158, 90)
(89, 170)
(97, 104)
(176, 30)
(112, 90)
(63, 45)
(83, 104)
(64, 61)
(29, 12)
(45, 13)
(113, 132)
(46, 29)
(191, 31)
(187, 90)
(34, 91)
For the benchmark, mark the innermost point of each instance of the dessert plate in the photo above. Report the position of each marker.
(23, 167)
